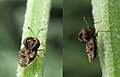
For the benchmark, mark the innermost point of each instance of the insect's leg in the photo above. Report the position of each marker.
(98, 22)
(40, 50)
(101, 31)
(37, 53)
(37, 56)
(42, 47)
(42, 43)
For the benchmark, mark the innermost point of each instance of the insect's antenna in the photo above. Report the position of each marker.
(39, 32)
(85, 21)
(31, 31)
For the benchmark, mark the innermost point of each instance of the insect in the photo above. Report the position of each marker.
(28, 53)
(88, 36)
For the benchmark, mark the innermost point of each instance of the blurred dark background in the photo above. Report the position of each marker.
(75, 61)
(11, 23)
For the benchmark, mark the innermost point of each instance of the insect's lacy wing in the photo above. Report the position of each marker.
(90, 49)
(22, 60)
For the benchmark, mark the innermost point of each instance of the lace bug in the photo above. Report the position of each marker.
(28, 53)
(88, 36)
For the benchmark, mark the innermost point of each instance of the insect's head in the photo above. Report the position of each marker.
(32, 43)
(83, 35)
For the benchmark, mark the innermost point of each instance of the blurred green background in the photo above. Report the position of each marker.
(76, 62)
(11, 22)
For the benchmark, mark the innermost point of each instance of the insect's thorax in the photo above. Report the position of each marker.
(31, 43)
(86, 34)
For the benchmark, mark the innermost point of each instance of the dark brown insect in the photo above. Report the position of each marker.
(88, 36)
(28, 53)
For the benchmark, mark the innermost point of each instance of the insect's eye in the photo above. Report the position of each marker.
(86, 33)
(34, 40)
(80, 36)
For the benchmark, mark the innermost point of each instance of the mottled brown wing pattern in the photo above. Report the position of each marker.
(26, 56)
(91, 49)
(22, 57)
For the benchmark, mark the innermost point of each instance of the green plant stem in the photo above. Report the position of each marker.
(109, 47)
(36, 17)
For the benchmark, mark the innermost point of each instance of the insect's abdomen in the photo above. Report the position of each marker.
(26, 56)
(22, 58)
(90, 49)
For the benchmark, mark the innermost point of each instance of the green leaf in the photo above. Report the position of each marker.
(36, 17)
(109, 52)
